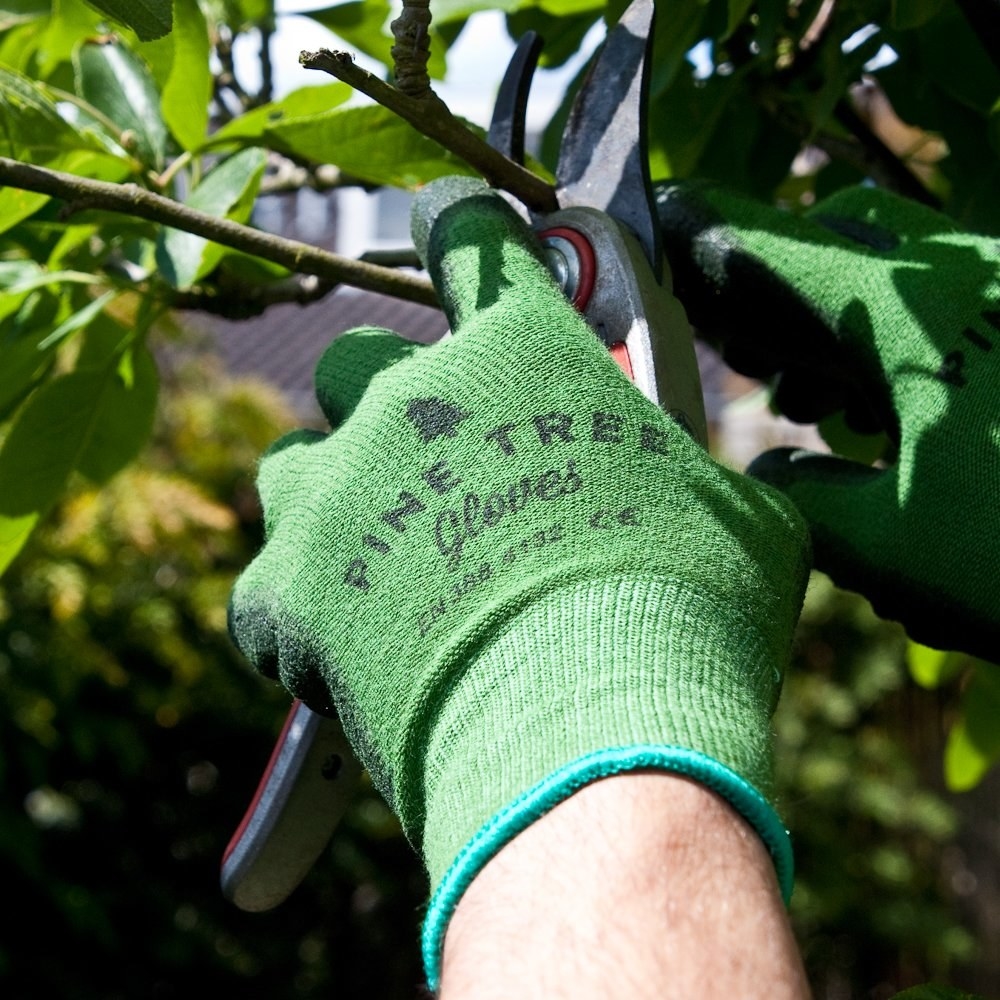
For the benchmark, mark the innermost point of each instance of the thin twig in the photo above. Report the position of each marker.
(130, 199)
(430, 116)
(266, 92)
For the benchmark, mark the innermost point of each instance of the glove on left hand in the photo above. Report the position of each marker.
(510, 573)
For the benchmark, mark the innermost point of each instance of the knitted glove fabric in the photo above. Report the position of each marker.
(880, 306)
(509, 573)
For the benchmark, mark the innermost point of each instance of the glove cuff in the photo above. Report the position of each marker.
(595, 679)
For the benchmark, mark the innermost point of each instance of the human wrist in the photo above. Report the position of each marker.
(673, 865)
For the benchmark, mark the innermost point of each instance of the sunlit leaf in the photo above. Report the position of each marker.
(973, 745)
(843, 441)
(70, 23)
(115, 81)
(31, 127)
(227, 191)
(188, 89)
(14, 532)
(370, 143)
(77, 321)
(24, 275)
(931, 668)
(364, 25)
(306, 102)
(147, 18)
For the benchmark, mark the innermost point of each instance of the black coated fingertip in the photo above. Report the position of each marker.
(805, 397)
(254, 634)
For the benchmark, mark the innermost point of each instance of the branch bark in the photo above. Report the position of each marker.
(412, 48)
(430, 116)
(130, 199)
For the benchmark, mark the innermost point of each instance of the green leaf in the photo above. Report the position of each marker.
(370, 143)
(688, 113)
(116, 81)
(19, 11)
(24, 359)
(149, 19)
(932, 668)
(460, 10)
(563, 34)
(973, 745)
(306, 102)
(864, 448)
(908, 14)
(364, 25)
(16, 206)
(228, 191)
(124, 420)
(71, 21)
(31, 127)
(738, 10)
(78, 321)
(24, 276)
(188, 89)
(14, 532)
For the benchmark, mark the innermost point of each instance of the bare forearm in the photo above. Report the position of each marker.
(643, 885)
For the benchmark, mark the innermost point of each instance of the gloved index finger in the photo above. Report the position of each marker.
(478, 252)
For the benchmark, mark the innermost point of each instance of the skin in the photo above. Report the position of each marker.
(638, 886)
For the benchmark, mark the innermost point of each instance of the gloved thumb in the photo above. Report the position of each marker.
(478, 252)
(849, 508)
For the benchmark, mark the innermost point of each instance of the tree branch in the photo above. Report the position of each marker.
(430, 116)
(412, 48)
(244, 302)
(130, 199)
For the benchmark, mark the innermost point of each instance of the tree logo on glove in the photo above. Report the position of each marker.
(434, 418)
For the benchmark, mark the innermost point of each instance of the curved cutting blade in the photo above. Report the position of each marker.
(604, 157)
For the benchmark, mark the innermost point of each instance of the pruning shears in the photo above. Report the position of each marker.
(604, 248)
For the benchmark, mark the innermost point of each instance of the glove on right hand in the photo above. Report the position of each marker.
(882, 307)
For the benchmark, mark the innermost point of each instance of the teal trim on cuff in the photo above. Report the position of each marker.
(536, 801)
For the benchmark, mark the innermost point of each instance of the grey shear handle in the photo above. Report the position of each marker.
(309, 782)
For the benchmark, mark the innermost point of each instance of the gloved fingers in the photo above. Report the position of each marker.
(264, 631)
(850, 509)
(807, 396)
(252, 616)
(347, 367)
(878, 219)
(479, 253)
(864, 538)
(726, 254)
(278, 478)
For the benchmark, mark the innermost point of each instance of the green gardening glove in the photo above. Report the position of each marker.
(883, 308)
(509, 573)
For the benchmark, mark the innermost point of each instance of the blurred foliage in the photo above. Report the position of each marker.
(134, 737)
(857, 747)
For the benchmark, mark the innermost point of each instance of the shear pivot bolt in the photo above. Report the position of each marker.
(571, 260)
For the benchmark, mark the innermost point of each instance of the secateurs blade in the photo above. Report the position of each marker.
(603, 245)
